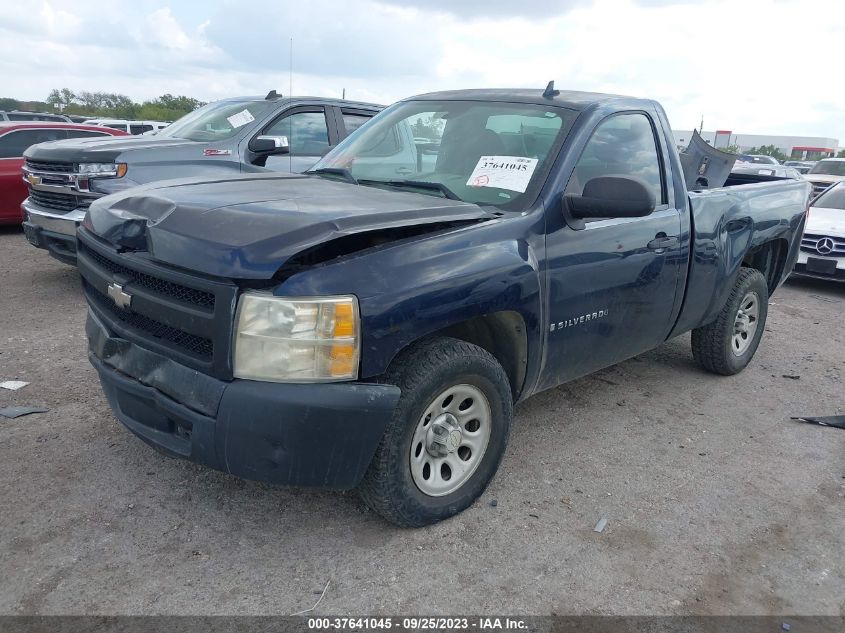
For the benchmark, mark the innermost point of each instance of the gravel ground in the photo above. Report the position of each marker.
(716, 502)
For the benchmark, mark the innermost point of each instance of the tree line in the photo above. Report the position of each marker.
(167, 107)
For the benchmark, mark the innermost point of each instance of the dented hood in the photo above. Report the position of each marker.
(246, 227)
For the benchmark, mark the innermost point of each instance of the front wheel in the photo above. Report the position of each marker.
(447, 435)
(728, 344)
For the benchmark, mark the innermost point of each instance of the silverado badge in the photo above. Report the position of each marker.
(579, 319)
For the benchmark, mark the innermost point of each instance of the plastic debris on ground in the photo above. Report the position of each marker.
(16, 412)
(837, 421)
(600, 525)
(13, 385)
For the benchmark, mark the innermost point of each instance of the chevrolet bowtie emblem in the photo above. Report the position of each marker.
(33, 179)
(121, 299)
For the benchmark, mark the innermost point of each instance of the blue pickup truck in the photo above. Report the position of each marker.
(371, 322)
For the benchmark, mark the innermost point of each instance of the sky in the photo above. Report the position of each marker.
(750, 66)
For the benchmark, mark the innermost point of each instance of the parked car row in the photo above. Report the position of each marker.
(241, 135)
(15, 139)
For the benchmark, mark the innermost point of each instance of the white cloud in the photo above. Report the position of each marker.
(165, 31)
(737, 63)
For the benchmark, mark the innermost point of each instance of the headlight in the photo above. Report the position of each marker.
(103, 169)
(309, 339)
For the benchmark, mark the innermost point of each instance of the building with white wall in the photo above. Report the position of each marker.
(795, 147)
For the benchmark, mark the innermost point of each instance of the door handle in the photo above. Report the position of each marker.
(661, 242)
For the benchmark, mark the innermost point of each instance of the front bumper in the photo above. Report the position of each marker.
(54, 232)
(320, 435)
(820, 267)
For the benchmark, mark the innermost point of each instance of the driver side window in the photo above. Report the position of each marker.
(622, 145)
(307, 133)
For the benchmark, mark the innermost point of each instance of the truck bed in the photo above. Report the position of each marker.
(728, 225)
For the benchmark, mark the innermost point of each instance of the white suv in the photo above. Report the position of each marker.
(130, 127)
(822, 253)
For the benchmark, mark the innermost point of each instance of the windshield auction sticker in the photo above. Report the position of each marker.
(503, 172)
(240, 119)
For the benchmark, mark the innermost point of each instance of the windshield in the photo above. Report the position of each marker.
(491, 153)
(833, 198)
(829, 168)
(216, 121)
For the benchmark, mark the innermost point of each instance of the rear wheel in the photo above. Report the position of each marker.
(728, 344)
(447, 435)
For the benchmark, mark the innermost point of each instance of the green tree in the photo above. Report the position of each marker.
(61, 98)
(732, 149)
(840, 153)
(7, 103)
(114, 105)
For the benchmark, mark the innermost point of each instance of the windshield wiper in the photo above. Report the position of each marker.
(338, 171)
(423, 184)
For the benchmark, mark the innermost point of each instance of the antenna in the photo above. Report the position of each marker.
(550, 91)
(290, 96)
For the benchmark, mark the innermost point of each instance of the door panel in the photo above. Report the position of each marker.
(612, 285)
(610, 295)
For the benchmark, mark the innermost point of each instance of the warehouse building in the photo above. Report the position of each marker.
(796, 147)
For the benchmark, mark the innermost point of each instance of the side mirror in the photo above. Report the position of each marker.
(610, 197)
(269, 145)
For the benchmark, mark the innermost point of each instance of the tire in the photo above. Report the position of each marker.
(720, 347)
(395, 484)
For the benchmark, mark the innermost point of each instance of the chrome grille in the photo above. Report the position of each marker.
(58, 201)
(810, 243)
(49, 166)
(819, 187)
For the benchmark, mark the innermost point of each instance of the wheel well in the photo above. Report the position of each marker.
(769, 258)
(503, 335)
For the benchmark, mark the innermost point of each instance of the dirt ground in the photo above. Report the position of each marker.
(716, 502)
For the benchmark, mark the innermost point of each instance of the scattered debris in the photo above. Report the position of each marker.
(494, 503)
(316, 604)
(786, 626)
(16, 412)
(600, 525)
(536, 516)
(567, 501)
(13, 385)
(837, 421)
(791, 376)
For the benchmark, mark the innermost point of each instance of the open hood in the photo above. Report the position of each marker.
(246, 227)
